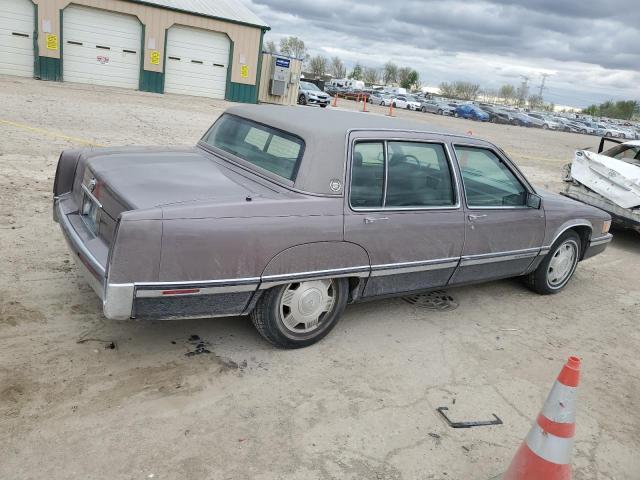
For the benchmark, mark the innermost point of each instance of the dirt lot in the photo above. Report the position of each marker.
(359, 405)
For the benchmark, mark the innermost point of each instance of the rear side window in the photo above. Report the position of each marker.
(265, 147)
(367, 175)
(488, 182)
(626, 153)
(417, 175)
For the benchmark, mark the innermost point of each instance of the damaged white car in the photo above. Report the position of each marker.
(609, 180)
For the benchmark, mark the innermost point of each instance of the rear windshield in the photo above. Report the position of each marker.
(265, 147)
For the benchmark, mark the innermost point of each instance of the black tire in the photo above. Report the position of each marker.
(424, 109)
(539, 280)
(545, 126)
(267, 319)
(456, 115)
(324, 105)
(302, 100)
(394, 105)
(440, 112)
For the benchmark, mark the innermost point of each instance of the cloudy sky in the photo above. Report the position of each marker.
(590, 48)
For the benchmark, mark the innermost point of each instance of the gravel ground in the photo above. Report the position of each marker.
(359, 405)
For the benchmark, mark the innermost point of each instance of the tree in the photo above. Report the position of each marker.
(507, 92)
(338, 69)
(356, 73)
(390, 73)
(622, 109)
(318, 65)
(403, 77)
(370, 75)
(466, 90)
(293, 47)
(536, 101)
(447, 90)
(270, 47)
(414, 79)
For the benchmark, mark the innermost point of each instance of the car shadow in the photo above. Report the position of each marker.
(626, 239)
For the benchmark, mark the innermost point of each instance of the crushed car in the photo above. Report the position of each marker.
(609, 180)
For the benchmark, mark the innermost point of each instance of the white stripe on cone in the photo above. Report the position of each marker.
(549, 447)
(560, 406)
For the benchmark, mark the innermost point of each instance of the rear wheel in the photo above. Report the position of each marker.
(301, 313)
(424, 109)
(456, 115)
(302, 100)
(557, 268)
(324, 105)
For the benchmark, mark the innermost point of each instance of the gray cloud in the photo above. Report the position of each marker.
(591, 49)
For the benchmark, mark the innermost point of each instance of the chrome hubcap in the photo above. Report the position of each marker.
(304, 305)
(562, 263)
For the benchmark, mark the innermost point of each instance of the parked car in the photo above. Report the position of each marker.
(382, 99)
(310, 94)
(548, 122)
(521, 119)
(436, 106)
(496, 115)
(610, 130)
(609, 180)
(472, 112)
(406, 101)
(288, 214)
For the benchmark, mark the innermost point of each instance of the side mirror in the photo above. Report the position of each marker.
(534, 201)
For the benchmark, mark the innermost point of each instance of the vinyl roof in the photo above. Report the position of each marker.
(324, 132)
(233, 10)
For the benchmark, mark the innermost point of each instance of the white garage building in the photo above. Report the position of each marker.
(208, 48)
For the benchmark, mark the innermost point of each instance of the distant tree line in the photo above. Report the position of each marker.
(622, 109)
(320, 65)
(506, 94)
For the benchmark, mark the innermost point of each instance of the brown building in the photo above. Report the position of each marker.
(209, 48)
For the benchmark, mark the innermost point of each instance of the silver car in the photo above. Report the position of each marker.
(434, 106)
(310, 94)
(288, 214)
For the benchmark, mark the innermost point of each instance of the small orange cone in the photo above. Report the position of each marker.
(390, 114)
(335, 99)
(545, 453)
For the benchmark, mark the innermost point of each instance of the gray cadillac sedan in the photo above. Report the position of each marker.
(288, 214)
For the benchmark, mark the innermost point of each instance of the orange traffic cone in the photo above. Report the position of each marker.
(545, 453)
(335, 99)
(390, 114)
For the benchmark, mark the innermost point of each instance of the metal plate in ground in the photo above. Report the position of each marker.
(438, 300)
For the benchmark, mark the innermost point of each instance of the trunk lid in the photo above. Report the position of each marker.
(141, 179)
(616, 180)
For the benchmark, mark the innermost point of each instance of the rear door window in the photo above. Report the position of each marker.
(367, 175)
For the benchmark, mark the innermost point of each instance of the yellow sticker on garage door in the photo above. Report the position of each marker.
(244, 71)
(52, 41)
(155, 57)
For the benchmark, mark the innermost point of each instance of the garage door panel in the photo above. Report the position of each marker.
(101, 47)
(17, 20)
(197, 62)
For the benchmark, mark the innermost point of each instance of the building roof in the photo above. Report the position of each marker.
(232, 10)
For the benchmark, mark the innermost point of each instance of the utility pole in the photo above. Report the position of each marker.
(544, 77)
(524, 90)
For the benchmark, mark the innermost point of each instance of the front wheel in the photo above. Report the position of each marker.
(324, 105)
(557, 268)
(457, 115)
(300, 314)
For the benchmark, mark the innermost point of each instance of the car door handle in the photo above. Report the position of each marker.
(473, 217)
(374, 219)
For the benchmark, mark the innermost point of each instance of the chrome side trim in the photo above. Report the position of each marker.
(600, 240)
(498, 257)
(158, 292)
(567, 227)
(273, 280)
(411, 267)
(77, 242)
(199, 283)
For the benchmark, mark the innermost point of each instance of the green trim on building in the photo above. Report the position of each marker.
(152, 81)
(49, 69)
(61, 44)
(240, 92)
(36, 50)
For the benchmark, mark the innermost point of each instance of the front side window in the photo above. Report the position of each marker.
(488, 182)
(417, 175)
(265, 147)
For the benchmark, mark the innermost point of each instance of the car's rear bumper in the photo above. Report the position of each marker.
(90, 253)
